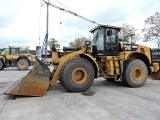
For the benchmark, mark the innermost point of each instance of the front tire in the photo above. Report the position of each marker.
(77, 75)
(135, 73)
(22, 65)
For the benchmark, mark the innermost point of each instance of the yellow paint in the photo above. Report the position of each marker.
(61, 62)
(156, 67)
(145, 50)
(110, 61)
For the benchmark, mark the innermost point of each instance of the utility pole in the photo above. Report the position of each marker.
(47, 21)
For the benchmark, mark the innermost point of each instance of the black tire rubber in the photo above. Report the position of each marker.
(129, 66)
(66, 74)
(1, 65)
(24, 62)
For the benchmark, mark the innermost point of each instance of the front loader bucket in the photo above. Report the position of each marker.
(35, 83)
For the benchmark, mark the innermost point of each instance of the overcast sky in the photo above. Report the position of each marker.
(21, 22)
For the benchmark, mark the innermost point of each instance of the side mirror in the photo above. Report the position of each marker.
(87, 43)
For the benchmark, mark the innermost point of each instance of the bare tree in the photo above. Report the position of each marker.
(129, 33)
(152, 28)
(53, 43)
(78, 42)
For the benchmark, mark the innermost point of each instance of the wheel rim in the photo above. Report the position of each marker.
(22, 65)
(79, 75)
(137, 73)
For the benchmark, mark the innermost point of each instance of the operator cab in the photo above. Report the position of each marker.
(14, 50)
(106, 40)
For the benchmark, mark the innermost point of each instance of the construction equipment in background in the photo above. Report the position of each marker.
(3, 52)
(2, 62)
(16, 57)
(76, 68)
(156, 59)
(2, 58)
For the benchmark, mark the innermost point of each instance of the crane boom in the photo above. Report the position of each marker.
(70, 12)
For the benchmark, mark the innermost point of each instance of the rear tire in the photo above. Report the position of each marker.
(135, 73)
(1, 65)
(77, 75)
(22, 65)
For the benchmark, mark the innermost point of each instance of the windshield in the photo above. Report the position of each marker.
(98, 39)
(111, 38)
(14, 51)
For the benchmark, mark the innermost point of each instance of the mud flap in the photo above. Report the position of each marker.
(35, 83)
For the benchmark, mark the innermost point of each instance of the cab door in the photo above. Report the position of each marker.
(111, 43)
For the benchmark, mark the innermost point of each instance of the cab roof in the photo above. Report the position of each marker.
(104, 26)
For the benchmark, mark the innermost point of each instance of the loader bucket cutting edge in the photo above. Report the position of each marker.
(35, 83)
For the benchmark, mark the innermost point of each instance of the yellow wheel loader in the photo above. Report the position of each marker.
(76, 68)
(2, 59)
(16, 59)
